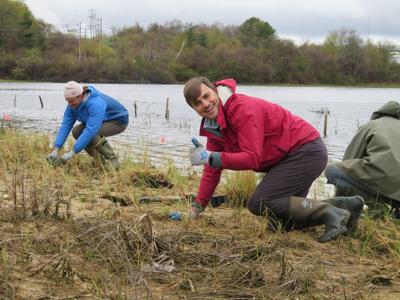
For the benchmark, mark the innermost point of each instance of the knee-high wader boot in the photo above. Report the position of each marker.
(312, 212)
(105, 149)
(102, 152)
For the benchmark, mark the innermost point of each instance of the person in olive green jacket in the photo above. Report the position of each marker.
(371, 163)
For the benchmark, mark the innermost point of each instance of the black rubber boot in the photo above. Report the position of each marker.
(312, 212)
(354, 205)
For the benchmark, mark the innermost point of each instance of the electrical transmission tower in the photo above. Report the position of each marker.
(92, 31)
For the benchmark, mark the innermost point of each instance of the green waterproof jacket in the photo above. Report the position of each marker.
(373, 155)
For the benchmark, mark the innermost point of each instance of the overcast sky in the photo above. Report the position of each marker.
(299, 20)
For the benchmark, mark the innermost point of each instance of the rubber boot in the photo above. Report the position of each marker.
(91, 149)
(312, 213)
(354, 205)
(377, 208)
(395, 214)
(108, 153)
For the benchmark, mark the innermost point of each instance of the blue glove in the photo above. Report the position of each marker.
(194, 213)
(198, 155)
(67, 156)
(175, 216)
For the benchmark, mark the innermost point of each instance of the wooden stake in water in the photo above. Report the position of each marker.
(326, 113)
(15, 100)
(167, 110)
(135, 108)
(41, 102)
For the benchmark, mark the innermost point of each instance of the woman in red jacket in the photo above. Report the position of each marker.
(248, 133)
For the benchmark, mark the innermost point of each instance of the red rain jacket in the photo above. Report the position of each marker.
(256, 134)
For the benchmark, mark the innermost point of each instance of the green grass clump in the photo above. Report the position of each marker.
(239, 186)
(380, 236)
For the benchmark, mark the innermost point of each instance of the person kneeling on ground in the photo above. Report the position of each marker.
(371, 163)
(248, 133)
(100, 116)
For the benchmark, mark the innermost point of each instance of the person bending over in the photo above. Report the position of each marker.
(99, 115)
(248, 133)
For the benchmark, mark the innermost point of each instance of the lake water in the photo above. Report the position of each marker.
(346, 108)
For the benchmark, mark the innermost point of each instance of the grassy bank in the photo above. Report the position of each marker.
(79, 231)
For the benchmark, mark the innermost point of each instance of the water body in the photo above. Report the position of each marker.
(345, 108)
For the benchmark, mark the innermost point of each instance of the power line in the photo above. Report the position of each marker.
(92, 31)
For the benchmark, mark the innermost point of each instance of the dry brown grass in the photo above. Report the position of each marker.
(62, 238)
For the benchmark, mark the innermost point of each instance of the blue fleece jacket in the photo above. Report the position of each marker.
(93, 111)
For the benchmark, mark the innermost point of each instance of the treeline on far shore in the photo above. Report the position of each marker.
(31, 49)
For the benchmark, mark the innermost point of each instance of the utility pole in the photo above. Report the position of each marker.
(73, 31)
(91, 31)
(79, 42)
(92, 23)
(101, 36)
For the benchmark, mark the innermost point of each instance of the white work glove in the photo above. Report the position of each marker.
(53, 156)
(195, 211)
(198, 155)
(67, 156)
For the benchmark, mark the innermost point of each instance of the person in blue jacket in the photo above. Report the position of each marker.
(99, 115)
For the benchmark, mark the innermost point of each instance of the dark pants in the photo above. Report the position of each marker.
(292, 176)
(108, 128)
(347, 186)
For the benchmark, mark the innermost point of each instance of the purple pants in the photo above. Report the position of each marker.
(292, 176)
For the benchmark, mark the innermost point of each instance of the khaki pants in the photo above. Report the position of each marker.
(108, 128)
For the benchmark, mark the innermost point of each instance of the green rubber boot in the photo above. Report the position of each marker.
(354, 205)
(105, 149)
(92, 150)
(312, 212)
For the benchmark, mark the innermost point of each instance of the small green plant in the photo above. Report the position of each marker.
(239, 186)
